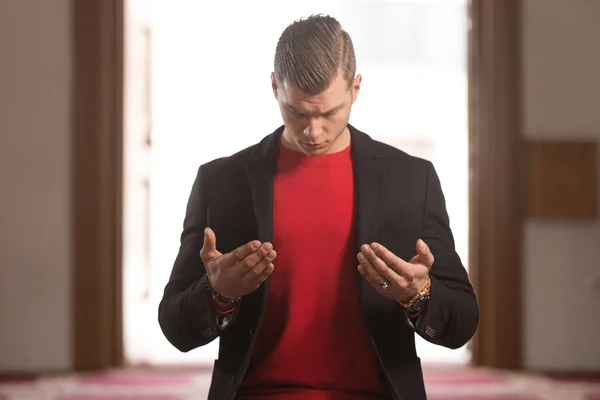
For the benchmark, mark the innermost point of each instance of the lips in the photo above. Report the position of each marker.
(314, 146)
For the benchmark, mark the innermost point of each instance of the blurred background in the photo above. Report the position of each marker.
(108, 108)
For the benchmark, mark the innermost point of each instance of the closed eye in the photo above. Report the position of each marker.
(326, 114)
(295, 112)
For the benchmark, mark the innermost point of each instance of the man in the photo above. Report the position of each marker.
(299, 252)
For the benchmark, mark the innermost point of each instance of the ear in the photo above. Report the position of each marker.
(274, 85)
(356, 87)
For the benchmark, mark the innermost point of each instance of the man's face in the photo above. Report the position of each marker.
(316, 125)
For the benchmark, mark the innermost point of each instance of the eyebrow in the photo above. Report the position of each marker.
(330, 111)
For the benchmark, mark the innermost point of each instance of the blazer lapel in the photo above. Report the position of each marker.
(368, 172)
(260, 171)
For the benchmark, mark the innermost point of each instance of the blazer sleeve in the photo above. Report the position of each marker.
(186, 314)
(452, 315)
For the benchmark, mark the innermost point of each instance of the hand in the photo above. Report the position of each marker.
(239, 272)
(378, 264)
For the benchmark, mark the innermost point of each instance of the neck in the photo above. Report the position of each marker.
(340, 143)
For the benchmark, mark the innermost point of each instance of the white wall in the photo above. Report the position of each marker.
(182, 128)
(35, 66)
(561, 67)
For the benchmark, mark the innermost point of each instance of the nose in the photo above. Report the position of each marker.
(313, 130)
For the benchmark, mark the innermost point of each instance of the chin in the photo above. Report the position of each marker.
(315, 152)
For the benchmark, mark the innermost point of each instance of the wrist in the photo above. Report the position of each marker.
(418, 299)
(218, 299)
(415, 314)
(222, 307)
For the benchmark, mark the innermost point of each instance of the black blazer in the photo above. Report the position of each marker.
(399, 200)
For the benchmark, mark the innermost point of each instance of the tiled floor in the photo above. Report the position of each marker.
(448, 384)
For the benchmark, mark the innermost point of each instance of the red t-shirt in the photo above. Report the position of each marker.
(312, 344)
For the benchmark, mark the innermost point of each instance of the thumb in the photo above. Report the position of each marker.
(209, 247)
(424, 253)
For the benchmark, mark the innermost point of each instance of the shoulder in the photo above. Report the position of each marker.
(396, 154)
(234, 166)
(392, 156)
(229, 164)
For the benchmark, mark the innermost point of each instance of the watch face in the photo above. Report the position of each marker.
(419, 304)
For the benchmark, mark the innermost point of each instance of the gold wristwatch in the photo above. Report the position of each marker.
(418, 298)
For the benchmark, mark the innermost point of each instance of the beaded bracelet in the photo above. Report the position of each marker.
(216, 296)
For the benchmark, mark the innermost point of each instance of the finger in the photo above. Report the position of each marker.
(237, 255)
(384, 270)
(258, 280)
(258, 267)
(424, 253)
(375, 260)
(248, 262)
(370, 270)
(377, 282)
(394, 262)
(362, 271)
(209, 246)
(387, 256)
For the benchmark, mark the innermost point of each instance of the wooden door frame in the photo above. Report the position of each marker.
(497, 162)
(97, 164)
(496, 211)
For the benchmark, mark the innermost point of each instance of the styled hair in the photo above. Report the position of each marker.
(312, 51)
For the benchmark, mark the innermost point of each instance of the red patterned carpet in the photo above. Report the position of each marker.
(456, 384)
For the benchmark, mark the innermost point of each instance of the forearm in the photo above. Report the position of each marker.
(451, 317)
(186, 314)
(187, 318)
(452, 314)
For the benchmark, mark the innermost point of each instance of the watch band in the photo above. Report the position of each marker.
(421, 297)
(216, 296)
(417, 306)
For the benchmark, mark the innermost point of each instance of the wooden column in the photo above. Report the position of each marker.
(97, 31)
(496, 188)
